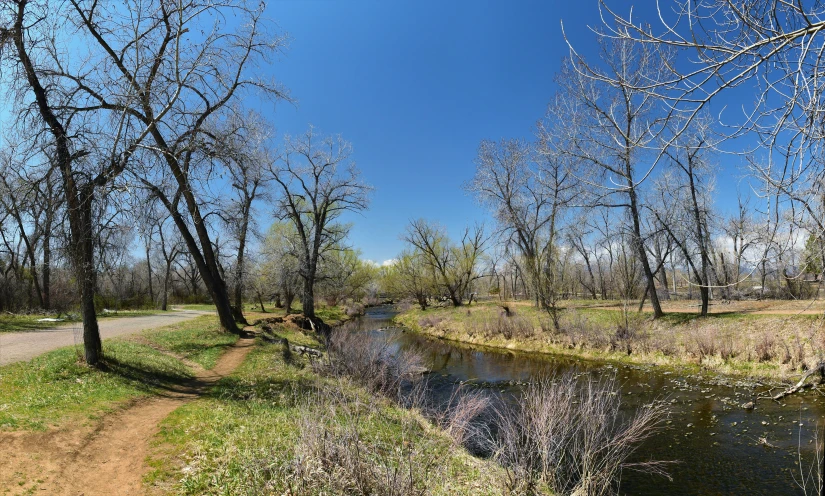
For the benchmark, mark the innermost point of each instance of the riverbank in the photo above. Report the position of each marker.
(277, 426)
(761, 347)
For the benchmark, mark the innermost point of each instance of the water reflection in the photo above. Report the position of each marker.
(718, 444)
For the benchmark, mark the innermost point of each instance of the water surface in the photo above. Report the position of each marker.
(718, 444)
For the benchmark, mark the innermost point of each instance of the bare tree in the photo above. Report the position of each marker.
(246, 159)
(528, 187)
(453, 266)
(317, 183)
(88, 159)
(611, 129)
(179, 86)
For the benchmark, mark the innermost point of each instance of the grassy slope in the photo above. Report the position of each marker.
(56, 387)
(680, 329)
(243, 438)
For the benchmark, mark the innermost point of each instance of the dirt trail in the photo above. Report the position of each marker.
(107, 458)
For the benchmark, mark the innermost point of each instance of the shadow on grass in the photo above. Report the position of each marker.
(148, 379)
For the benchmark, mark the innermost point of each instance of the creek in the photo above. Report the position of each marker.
(720, 447)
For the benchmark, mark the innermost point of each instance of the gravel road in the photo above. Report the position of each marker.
(18, 346)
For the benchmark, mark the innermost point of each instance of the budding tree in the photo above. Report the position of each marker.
(316, 183)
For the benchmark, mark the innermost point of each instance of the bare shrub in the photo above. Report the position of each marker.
(567, 436)
(509, 327)
(334, 456)
(664, 343)
(728, 348)
(353, 309)
(623, 338)
(546, 326)
(429, 321)
(798, 351)
(703, 342)
(765, 348)
(462, 419)
(371, 362)
(811, 479)
(580, 331)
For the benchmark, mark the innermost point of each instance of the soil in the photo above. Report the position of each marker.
(107, 457)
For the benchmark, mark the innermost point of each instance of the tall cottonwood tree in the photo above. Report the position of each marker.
(88, 147)
(684, 199)
(611, 130)
(243, 152)
(316, 182)
(183, 65)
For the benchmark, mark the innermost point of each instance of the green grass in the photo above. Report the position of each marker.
(244, 438)
(203, 307)
(55, 387)
(200, 340)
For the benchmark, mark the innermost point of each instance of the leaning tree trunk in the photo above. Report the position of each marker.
(640, 249)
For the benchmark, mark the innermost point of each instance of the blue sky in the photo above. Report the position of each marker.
(415, 86)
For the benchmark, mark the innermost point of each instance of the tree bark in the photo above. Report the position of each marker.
(149, 270)
(640, 249)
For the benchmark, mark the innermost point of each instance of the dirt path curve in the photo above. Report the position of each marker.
(18, 346)
(108, 458)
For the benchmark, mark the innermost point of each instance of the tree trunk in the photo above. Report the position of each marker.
(308, 295)
(704, 293)
(239, 274)
(84, 248)
(47, 263)
(149, 270)
(167, 275)
(288, 299)
(640, 250)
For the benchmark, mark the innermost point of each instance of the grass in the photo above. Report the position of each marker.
(331, 315)
(29, 322)
(55, 388)
(253, 435)
(680, 339)
(199, 340)
(203, 307)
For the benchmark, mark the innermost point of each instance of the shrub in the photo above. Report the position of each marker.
(371, 362)
(765, 348)
(568, 437)
(429, 321)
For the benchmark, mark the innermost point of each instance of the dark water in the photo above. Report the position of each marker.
(716, 442)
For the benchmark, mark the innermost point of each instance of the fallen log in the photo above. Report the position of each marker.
(305, 350)
(820, 369)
